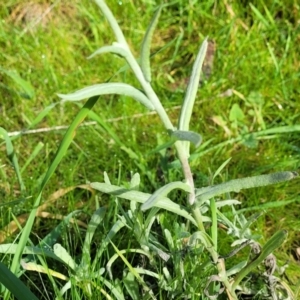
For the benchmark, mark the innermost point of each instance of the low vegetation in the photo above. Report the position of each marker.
(168, 169)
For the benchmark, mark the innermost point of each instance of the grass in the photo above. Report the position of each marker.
(256, 58)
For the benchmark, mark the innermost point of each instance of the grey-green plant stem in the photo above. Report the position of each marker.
(166, 121)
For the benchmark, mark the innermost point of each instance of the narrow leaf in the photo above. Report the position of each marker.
(132, 286)
(189, 136)
(190, 96)
(133, 271)
(115, 48)
(112, 21)
(96, 219)
(229, 202)
(42, 115)
(33, 266)
(203, 237)
(114, 257)
(241, 138)
(188, 103)
(259, 16)
(25, 85)
(249, 222)
(11, 154)
(135, 181)
(104, 243)
(114, 289)
(164, 191)
(273, 243)
(34, 153)
(51, 238)
(61, 252)
(235, 269)
(30, 250)
(224, 164)
(244, 183)
(163, 146)
(146, 44)
(268, 205)
(106, 89)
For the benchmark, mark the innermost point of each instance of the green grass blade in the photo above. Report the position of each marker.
(178, 43)
(64, 145)
(15, 285)
(51, 238)
(203, 237)
(96, 219)
(223, 165)
(12, 156)
(92, 115)
(269, 16)
(25, 85)
(146, 45)
(34, 153)
(133, 271)
(114, 257)
(38, 118)
(260, 16)
(112, 233)
(13, 203)
(113, 289)
(42, 114)
(107, 127)
(163, 146)
(249, 222)
(106, 89)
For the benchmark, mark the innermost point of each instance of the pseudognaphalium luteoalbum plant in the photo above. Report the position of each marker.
(202, 213)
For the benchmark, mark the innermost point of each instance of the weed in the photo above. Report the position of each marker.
(152, 267)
